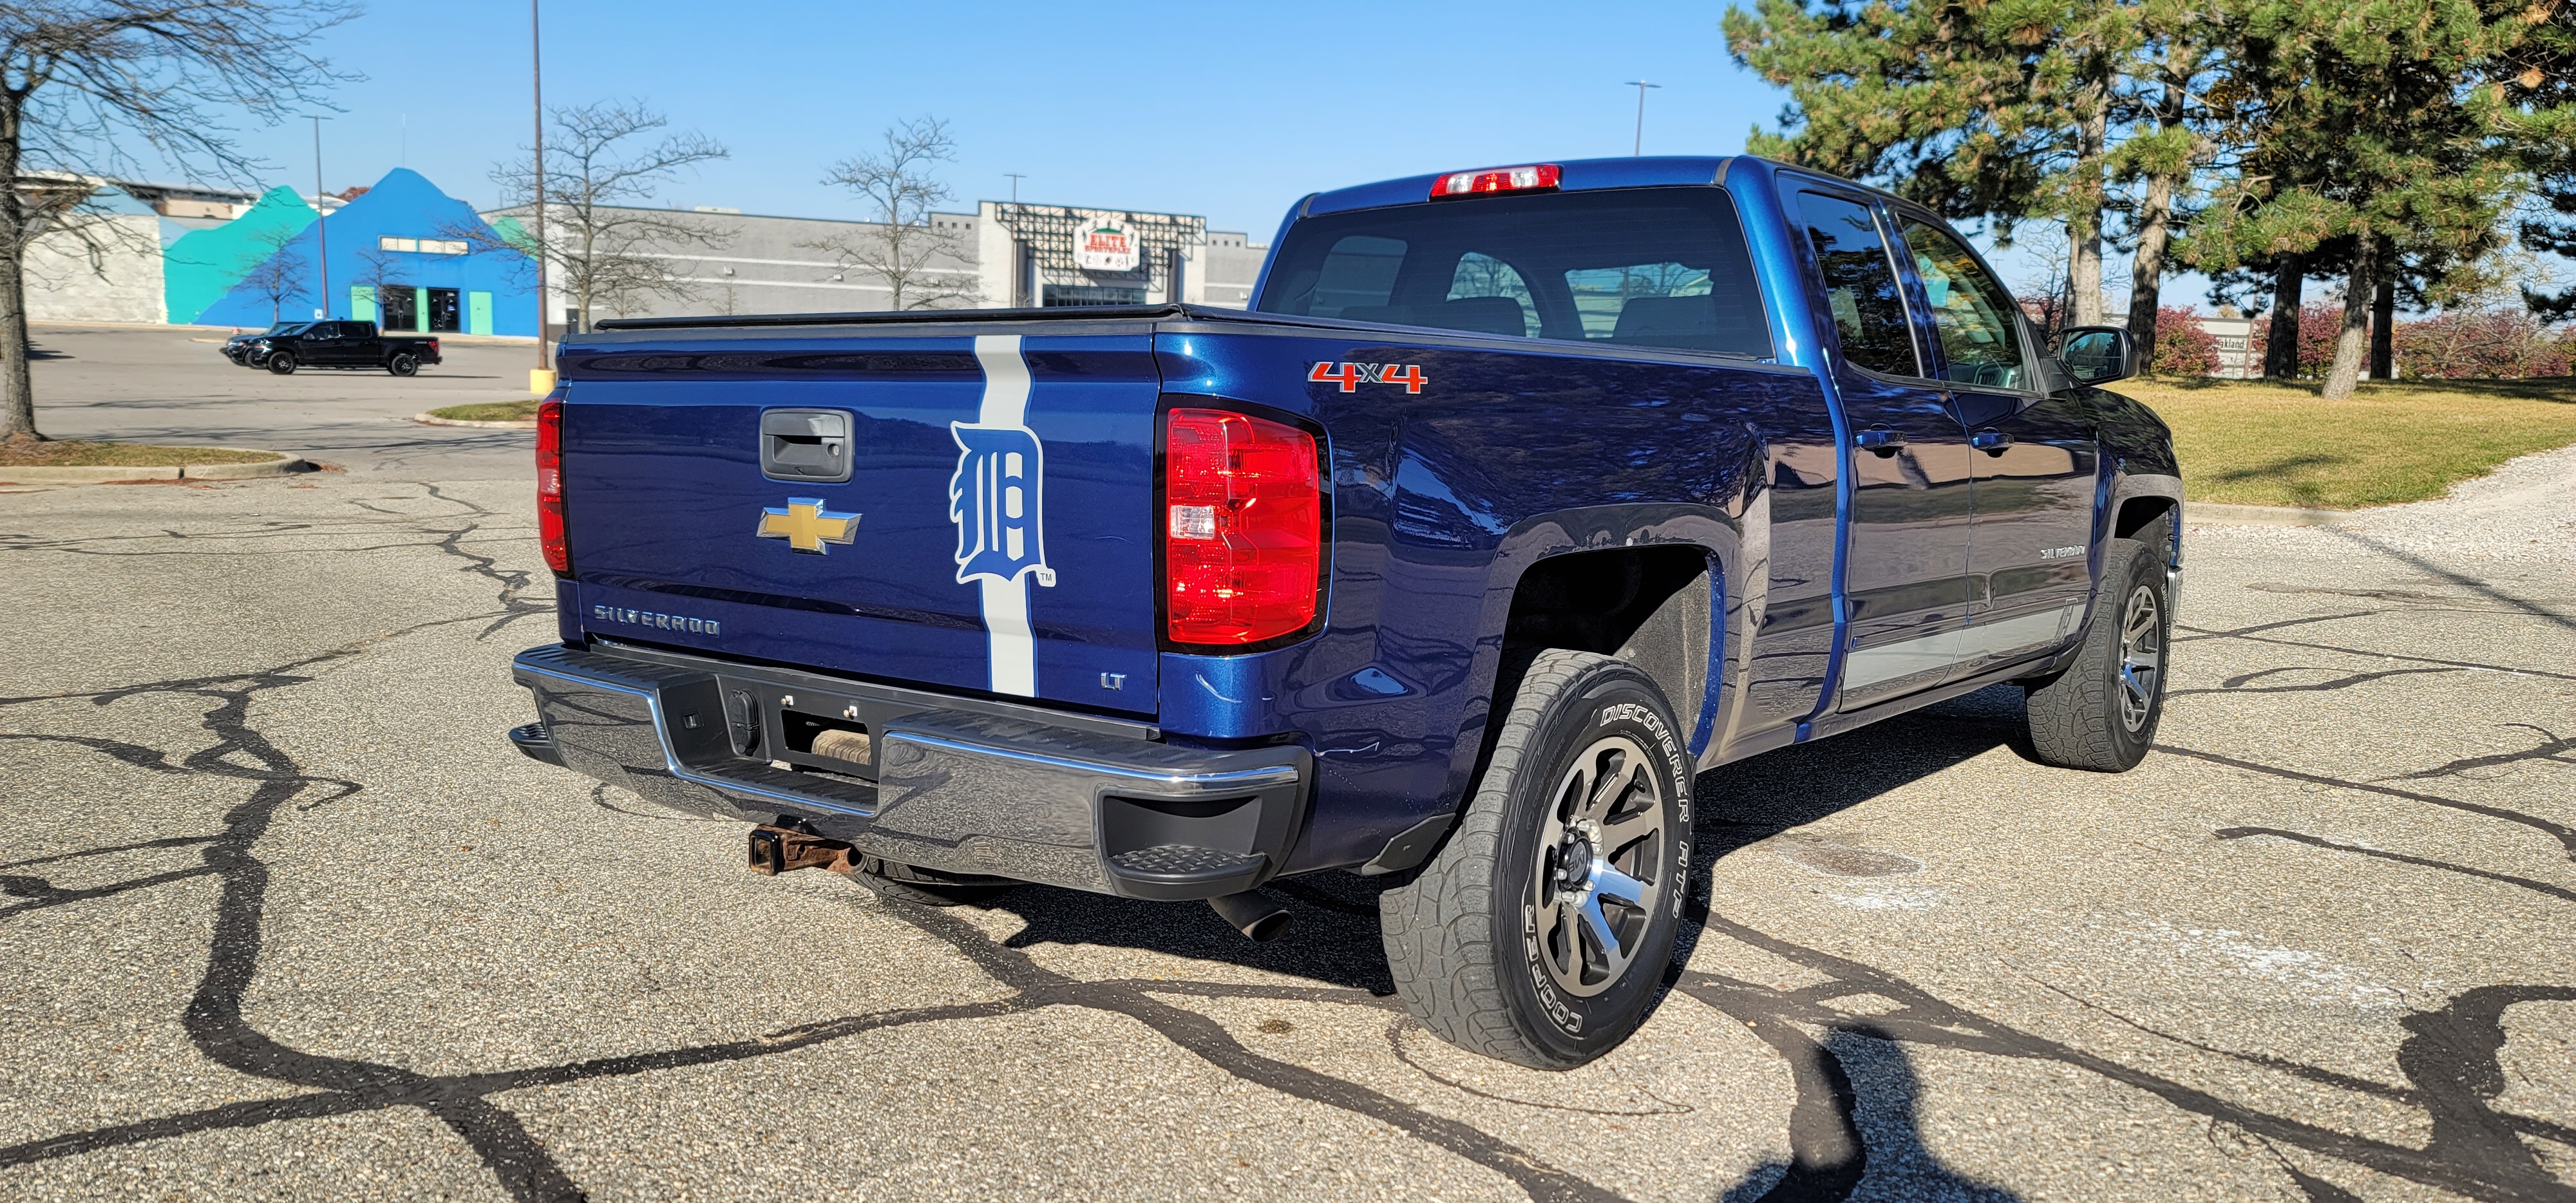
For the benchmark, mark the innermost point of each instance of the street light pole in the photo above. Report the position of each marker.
(1641, 86)
(321, 232)
(537, 89)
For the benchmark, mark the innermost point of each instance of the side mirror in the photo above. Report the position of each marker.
(2097, 354)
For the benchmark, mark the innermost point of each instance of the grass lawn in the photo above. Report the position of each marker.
(497, 411)
(78, 453)
(2263, 443)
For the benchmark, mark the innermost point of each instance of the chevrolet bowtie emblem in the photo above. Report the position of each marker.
(807, 526)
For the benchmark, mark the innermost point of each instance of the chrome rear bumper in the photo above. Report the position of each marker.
(962, 785)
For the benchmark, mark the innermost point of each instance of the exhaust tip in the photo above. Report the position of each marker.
(1260, 919)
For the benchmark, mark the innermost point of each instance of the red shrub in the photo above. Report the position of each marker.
(2489, 343)
(2319, 324)
(2183, 348)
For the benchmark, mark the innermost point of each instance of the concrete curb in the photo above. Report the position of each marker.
(283, 465)
(428, 420)
(2263, 515)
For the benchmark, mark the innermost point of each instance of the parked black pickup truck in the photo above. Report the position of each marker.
(331, 345)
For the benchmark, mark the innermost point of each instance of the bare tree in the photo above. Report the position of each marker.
(379, 273)
(601, 240)
(897, 184)
(80, 78)
(269, 271)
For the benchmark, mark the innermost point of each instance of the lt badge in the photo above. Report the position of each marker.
(807, 526)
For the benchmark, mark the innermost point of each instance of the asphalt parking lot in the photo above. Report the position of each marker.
(282, 915)
(173, 385)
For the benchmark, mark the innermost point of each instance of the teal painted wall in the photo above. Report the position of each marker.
(199, 267)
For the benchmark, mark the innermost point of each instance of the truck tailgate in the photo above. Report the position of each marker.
(995, 532)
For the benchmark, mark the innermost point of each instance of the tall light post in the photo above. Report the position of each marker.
(1641, 86)
(321, 232)
(541, 379)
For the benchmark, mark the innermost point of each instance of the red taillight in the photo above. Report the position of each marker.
(550, 490)
(1537, 177)
(1243, 528)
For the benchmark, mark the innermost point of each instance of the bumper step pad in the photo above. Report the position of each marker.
(1175, 871)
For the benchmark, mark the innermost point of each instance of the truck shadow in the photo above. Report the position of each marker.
(1334, 939)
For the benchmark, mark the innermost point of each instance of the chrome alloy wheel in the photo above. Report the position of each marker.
(1600, 852)
(2142, 656)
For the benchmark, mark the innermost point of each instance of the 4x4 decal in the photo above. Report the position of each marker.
(1352, 375)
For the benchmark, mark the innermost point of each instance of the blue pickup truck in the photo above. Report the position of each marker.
(1517, 498)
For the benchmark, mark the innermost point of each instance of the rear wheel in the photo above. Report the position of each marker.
(1540, 932)
(281, 363)
(895, 882)
(403, 364)
(2100, 713)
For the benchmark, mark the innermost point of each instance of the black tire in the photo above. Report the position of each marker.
(2100, 712)
(928, 887)
(281, 363)
(403, 364)
(1481, 940)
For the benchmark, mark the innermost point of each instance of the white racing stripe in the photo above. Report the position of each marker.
(1012, 651)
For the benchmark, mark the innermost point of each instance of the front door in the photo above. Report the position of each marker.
(400, 307)
(1905, 578)
(324, 344)
(2033, 455)
(442, 310)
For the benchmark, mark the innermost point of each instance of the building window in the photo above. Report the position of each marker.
(424, 246)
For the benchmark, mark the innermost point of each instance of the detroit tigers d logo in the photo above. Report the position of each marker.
(997, 500)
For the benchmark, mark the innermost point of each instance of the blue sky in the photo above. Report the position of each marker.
(1231, 111)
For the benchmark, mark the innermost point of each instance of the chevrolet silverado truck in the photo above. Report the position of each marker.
(1516, 500)
(334, 344)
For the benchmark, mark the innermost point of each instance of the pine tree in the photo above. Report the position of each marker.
(2538, 78)
(2371, 141)
(1973, 108)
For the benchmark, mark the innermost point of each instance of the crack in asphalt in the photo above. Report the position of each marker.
(2450, 1058)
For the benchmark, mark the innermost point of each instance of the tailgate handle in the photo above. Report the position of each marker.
(805, 445)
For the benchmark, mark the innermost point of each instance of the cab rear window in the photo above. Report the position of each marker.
(1649, 267)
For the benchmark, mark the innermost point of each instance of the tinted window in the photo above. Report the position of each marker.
(1660, 267)
(1860, 284)
(1980, 342)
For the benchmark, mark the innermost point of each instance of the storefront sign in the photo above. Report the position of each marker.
(1105, 246)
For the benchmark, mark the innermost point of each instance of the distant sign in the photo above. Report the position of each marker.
(1105, 246)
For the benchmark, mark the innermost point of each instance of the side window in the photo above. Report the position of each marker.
(1860, 284)
(1973, 313)
(1485, 276)
(1358, 273)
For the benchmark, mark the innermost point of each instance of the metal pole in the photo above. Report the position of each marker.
(321, 232)
(1016, 177)
(537, 88)
(1641, 86)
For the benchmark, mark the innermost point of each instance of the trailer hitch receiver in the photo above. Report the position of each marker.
(776, 850)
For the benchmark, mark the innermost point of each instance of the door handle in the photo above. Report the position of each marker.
(1992, 442)
(1880, 440)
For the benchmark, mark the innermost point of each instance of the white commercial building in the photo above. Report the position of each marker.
(674, 263)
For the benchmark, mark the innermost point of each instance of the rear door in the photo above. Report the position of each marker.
(1905, 579)
(2033, 455)
(958, 510)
